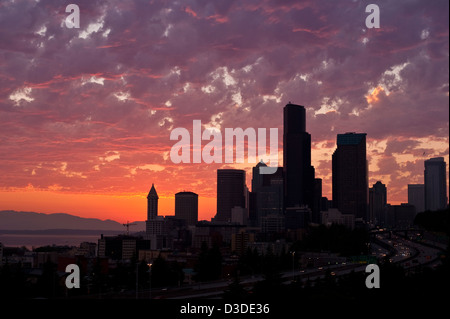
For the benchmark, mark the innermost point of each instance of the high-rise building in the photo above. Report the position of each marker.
(334, 216)
(121, 247)
(400, 216)
(416, 196)
(240, 241)
(267, 190)
(186, 207)
(297, 217)
(155, 225)
(152, 203)
(317, 200)
(298, 172)
(350, 175)
(272, 224)
(239, 215)
(230, 192)
(435, 184)
(377, 203)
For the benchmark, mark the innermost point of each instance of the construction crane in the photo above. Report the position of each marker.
(127, 225)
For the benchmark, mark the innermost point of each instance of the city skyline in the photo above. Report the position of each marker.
(86, 114)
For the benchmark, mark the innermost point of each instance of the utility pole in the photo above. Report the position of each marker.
(293, 265)
(137, 280)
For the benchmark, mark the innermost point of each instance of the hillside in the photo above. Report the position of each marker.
(13, 220)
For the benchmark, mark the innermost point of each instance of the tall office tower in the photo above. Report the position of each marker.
(298, 172)
(256, 195)
(435, 184)
(186, 207)
(416, 196)
(230, 192)
(377, 203)
(257, 178)
(267, 190)
(152, 203)
(154, 225)
(317, 200)
(350, 175)
(252, 213)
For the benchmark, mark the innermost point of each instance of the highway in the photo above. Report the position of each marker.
(410, 255)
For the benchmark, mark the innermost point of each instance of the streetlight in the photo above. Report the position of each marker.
(137, 277)
(293, 265)
(150, 275)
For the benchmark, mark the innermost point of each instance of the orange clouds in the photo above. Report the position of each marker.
(373, 97)
(85, 120)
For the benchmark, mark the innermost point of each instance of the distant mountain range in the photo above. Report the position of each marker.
(12, 220)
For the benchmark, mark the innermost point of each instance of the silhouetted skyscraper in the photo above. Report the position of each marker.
(298, 172)
(152, 203)
(267, 190)
(230, 192)
(435, 184)
(154, 225)
(378, 203)
(350, 175)
(186, 207)
(416, 196)
(257, 177)
(317, 200)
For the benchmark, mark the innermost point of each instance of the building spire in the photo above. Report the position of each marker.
(152, 192)
(152, 203)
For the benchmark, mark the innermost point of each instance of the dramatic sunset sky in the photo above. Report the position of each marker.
(86, 114)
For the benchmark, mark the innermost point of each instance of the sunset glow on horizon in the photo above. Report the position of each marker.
(86, 114)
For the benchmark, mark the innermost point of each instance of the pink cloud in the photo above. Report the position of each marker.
(152, 66)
